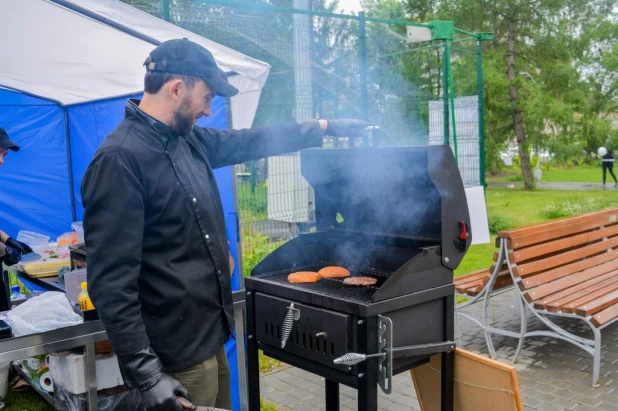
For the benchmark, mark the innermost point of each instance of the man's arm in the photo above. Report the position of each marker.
(113, 201)
(114, 206)
(3, 237)
(236, 146)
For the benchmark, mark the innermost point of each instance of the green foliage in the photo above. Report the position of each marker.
(569, 208)
(257, 247)
(498, 222)
(253, 201)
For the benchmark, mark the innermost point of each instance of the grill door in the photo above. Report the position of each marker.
(318, 335)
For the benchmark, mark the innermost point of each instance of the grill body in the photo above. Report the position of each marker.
(394, 214)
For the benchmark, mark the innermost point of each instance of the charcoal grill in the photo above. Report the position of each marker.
(395, 214)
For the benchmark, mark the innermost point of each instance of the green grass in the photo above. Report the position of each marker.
(25, 401)
(266, 405)
(580, 174)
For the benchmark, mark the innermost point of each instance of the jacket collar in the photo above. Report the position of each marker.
(134, 113)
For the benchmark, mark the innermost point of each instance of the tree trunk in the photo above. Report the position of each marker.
(494, 168)
(518, 124)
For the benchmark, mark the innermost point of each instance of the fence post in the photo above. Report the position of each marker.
(445, 77)
(165, 10)
(481, 91)
(362, 37)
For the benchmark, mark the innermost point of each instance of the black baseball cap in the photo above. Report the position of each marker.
(5, 142)
(182, 56)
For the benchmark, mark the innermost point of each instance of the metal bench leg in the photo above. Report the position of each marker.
(523, 329)
(489, 287)
(596, 364)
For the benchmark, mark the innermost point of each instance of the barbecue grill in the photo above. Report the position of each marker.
(396, 214)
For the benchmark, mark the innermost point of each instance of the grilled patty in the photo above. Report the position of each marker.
(304, 277)
(362, 281)
(333, 272)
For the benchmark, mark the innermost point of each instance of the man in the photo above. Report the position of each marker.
(607, 163)
(11, 250)
(158, 269)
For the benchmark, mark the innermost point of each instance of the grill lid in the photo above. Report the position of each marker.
(413, 192)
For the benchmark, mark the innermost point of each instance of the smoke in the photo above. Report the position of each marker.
(381, 198)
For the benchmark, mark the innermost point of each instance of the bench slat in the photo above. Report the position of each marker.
(566, 270)
(562, 244)
(588, 298)
(603, 317)
(555, 302)
(463, 289)
(473, 276)
(606, 214)
(598, 304)
(543, 265)
(551, 234)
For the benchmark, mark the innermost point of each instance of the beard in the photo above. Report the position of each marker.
(182, 121)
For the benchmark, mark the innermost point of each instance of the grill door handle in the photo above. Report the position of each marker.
(292, 315)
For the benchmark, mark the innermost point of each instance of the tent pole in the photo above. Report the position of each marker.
(68, 142)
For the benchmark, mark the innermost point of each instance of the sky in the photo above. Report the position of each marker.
(350, 6)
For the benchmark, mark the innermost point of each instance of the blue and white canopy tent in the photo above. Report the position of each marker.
(68, 67)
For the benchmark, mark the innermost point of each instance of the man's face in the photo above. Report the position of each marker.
(194, 104)
(3, 153)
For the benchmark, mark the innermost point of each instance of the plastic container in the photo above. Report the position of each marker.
(67, 239)
(78, 226)
(84, 299)
(34, 240)
(16, 294)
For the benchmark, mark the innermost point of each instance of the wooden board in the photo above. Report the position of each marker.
(45, 269)
(480, 384)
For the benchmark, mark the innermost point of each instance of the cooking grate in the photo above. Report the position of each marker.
(332, 287)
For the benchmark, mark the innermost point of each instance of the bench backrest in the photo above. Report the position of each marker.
(552, 256)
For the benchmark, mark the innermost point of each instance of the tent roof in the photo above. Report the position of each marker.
(61, 54)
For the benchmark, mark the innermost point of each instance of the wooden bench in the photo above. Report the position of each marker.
(562, 268)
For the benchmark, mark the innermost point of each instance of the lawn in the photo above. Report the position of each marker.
(579, 174)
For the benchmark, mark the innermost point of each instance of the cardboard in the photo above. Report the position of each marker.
(480, 384)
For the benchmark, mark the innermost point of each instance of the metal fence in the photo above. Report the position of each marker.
(420, 84)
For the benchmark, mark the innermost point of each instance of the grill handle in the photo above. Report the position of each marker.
(293, 314)
(353, 358)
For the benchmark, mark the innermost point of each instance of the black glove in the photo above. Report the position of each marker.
(18, 245)
(11, 256)
(345, 128)
(162, 396)
(143, 370)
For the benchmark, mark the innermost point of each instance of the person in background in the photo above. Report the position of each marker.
(607, 164)
(11, 250)
(158, 261)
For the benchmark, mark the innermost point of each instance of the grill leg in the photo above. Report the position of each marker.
(332, 395)
(448, 380)
(253, 364)
(367, 390)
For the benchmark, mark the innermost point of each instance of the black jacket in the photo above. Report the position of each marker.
(158, 270)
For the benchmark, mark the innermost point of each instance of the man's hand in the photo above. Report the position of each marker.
(18, 245)
(345, 128)
(162, 395)
(11, 256)
(143, 370)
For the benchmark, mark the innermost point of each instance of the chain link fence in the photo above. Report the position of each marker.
(326, 65)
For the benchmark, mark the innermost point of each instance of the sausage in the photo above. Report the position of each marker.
(333, 272)
(304, 277)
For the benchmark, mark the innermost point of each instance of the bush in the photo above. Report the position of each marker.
(570, 208)
(516, 177)
(257, 247)
(499, 222)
